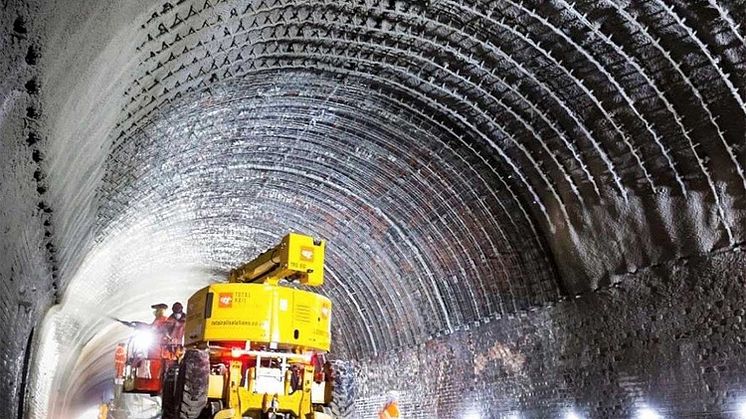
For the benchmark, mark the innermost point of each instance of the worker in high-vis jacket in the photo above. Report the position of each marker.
(160, 322)
(390, 411)
(120, 359)
(161, 327)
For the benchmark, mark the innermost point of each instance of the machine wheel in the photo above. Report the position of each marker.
(344, 390)
(168, 396)
(191, 385)
(212, 408)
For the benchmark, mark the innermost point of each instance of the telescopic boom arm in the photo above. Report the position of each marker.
(297, 258)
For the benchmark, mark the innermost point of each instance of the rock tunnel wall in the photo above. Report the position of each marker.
(469, 163)
(665, 342)
(27, 263)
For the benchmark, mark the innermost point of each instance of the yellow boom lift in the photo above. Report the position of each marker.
(255, 347)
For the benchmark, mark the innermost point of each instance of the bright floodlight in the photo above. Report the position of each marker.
(741, 412)
(143, 340)
(648, 413)
(571, 414)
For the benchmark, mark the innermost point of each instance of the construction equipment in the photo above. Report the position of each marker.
(139, 366)
(255, 347)
(141, 362)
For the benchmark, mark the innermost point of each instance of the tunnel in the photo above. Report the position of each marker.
(533, 209)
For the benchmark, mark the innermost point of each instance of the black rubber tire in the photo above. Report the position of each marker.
(212, 408)
(344, 390)
(168, 394)
(192, 382)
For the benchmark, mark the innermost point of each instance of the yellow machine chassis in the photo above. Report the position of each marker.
(255, 316)
(273, 316)
(245, 403)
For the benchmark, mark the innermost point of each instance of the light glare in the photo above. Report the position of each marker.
(142, 340)
(648, 413)
(91, 413)
(741, 413)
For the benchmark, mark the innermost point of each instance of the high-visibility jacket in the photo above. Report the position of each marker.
(120, 358)
(390, 411)
(160, 324)
(160, 327)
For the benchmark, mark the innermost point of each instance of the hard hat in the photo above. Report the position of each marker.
(160, 306)
(177, 307)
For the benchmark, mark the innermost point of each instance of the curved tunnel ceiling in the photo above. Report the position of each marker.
(465, 160)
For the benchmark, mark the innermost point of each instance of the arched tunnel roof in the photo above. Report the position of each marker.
(467, 161)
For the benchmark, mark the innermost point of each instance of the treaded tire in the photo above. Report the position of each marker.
(212, 408)
(192, 381)
(169, 402)
(344, 390)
